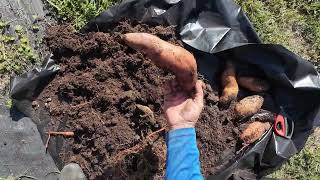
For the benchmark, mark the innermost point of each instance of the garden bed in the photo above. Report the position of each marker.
(98, 94)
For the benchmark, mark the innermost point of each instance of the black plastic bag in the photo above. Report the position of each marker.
(216, 31)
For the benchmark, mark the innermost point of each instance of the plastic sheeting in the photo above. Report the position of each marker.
(216, 31)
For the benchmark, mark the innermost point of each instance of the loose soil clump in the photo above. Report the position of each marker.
(111, 97)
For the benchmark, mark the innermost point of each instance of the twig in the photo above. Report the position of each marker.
(156, 132)
(138, 147)
(54, 5)
(82, 104)
(47, 143)
(65, 134)
(244, 146)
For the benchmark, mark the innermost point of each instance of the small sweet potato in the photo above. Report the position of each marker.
(248, 106)
(229, 84)
(254, 131)
(165, 55)
(253, 84)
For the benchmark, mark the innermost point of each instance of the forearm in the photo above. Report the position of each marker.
(182, 155)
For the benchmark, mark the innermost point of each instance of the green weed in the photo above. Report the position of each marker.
(8, 104)
(16, 53)
(79, 12)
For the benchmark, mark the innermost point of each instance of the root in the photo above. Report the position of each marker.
(138, 147)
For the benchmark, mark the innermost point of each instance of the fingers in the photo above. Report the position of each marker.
(198, 96)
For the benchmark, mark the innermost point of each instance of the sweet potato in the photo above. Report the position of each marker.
(166, 55)
(253, 84)
(254, 131)
(248, 106)
(229, 84)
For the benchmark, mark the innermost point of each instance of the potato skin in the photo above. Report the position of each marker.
(249, 106)
(254, 131)
(229, 84)
(253, 84)
(165, 55)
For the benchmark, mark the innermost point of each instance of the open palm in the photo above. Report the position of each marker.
(181, 110)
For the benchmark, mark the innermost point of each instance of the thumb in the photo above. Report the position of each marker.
(198, 97)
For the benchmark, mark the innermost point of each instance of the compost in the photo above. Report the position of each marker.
(101, 93)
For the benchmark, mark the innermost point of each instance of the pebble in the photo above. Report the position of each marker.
(35, 104)
(136, 137)
(235, 131)
(48, 100)
(229, 139)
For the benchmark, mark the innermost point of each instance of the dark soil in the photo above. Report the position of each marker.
(96, 93)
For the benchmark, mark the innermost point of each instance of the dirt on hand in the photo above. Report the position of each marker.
(111, 97)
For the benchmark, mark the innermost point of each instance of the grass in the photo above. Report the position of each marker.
(7, 178)
(8, 104)
(292, 23)
(79, 12)
(16, 53)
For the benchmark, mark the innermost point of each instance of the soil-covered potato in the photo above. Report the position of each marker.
(229, 85)
(253, 84)
(254, 131)
(249, 106)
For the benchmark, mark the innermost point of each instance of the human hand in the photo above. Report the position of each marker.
(182, 111)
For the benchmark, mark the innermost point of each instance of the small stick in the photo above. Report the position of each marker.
(138, 147)
(156, 132)
(65, 134)
(244, 146)
(82, 104)
(47, 143)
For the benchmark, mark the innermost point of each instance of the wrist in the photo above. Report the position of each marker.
(181, 126)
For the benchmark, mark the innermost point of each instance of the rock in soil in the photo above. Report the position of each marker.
(96, 92)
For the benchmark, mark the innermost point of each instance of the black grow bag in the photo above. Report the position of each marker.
(217, 30)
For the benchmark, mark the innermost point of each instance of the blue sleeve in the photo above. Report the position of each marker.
(182, 155)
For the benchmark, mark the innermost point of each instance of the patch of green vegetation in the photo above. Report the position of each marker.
(284, 22)
(7, 178)
(8, 104)
(310, 9)
(305, 165)
(79, 12)
(16, 53)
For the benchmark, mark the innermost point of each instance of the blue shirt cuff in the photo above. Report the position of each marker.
(181, 132)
